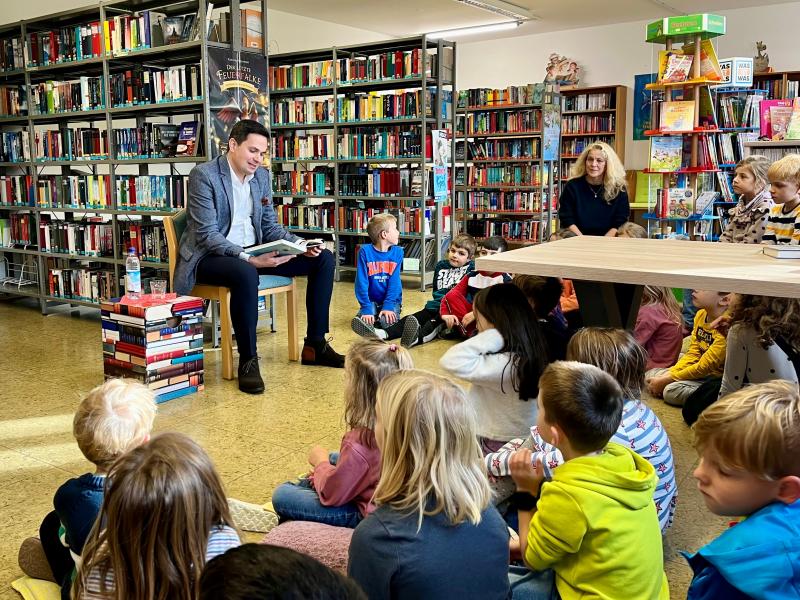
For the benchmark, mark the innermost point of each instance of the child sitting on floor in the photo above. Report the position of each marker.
(749, 444)
(569, 299)
(339, 489)
(783, 223)
(424, 325)
(164, 516)
(629, 229)
(435, 533)
(705, 357)
(617, 353)
(747, 220)
(503, 362)
(659, 327)
(543, 294)
(379, 290)
(456, 306)
(595, 524)
(113, 418)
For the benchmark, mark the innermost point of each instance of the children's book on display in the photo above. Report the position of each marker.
(158, 341)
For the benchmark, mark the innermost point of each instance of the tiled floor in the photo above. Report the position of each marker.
(48, 363)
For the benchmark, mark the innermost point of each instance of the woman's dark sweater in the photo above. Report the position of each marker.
(592, 215)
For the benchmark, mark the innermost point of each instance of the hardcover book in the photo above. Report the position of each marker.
(709, 65)
(793, 132)
(680, 202)
(678, 68)
(167, 138)
(173, 28)
(187, 139)
(677, 115)
(283, 247)
(779, 117)
(665, 153)
(765, 117)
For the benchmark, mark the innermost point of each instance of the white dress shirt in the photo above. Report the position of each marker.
(242, 232)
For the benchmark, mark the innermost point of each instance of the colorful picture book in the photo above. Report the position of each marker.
(676, 66)
(793, 132)
(677, 115)
(665, 153)
(765, 115)
(680, 202)
(709, 64)
(779, 117)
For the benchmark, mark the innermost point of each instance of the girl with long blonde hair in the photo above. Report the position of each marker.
(435, 533)
(164, 516)
(594, 201)
(659, 327)
(339, 489)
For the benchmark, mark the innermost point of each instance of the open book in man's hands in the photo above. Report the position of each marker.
(283, 247)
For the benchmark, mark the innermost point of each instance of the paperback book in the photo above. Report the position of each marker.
(665, 153)
(677, 66)
(677, 115)
(779, 117)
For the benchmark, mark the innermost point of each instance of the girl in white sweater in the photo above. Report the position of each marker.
(503, 362)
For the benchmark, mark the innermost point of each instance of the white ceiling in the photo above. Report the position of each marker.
(411, 17)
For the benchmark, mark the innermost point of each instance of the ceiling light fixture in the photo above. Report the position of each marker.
(477, 29)
(502, 8)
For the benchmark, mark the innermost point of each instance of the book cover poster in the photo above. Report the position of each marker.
(441, 160)
(551, 131)
(237, 89)
(642, 103)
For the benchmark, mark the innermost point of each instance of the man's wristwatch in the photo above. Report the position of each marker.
(523, 501)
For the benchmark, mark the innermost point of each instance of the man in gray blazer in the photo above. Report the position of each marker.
(230, 208)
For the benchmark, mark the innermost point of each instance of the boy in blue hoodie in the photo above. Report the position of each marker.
(749, 444)
(379, 290)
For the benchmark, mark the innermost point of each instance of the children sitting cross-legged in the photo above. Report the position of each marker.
(164, 516)
(617, 353)
(503, 362)
(339, 489)
(379, 290)
(749, 446)
(659, 327)
(113, 418)
(595, 523)
(424, 325)
(705, 357)
(435, 533)
(264, 572)
(456, 306)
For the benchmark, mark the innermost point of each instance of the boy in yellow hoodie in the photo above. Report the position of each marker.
(705, 357)
(595, 523)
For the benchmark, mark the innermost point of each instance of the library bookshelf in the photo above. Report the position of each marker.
(778, 84)
(507, 160)
(81, 178)
(352, 135)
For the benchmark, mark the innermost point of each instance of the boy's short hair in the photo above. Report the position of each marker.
(495, 242)
(264, 572)
(755, 429)
(584, 401)
(466, 242)
(785, 169)
(631, 229)
(113, 418)
(544, 293)
(378, 224)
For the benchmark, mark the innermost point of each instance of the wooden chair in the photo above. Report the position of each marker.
(268, 285)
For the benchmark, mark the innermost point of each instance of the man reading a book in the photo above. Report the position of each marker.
(229, 209)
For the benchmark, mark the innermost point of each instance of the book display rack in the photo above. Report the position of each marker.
(355, 131)
(507, 155)
(103, 112)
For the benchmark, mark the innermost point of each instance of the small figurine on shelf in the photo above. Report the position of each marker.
(562, 70)
(761, 60)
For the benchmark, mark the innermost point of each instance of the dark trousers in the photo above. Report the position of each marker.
(428, 321)
(242, 279)
(58, 556)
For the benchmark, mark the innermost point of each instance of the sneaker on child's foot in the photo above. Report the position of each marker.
(366, 330)
(410, 337)
(251, 517)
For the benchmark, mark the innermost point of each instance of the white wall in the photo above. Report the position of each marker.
(614, 54)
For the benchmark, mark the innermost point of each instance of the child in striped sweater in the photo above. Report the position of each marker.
(783, 223)
(616, 352)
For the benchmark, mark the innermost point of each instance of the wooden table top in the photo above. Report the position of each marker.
(739, 268)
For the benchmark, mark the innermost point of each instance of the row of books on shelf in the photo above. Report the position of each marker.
(12, 101)
(774, 88)
(574, 146)
(528, 148)
(301, 146)
(53, 97)
(147, 29)
(520, 175)
(318, 182)
(18, 229)
(81, 143)
(90, 237)
(11, 56)
(675, 65)
(503, 121)
(386, 143)
(157, 140)
(531, 93)
(66, 44)
(681, 203)
(524, 230)
(588, 124)
(320, 217)
(738, 111)
(149, 240)
(153, 85)
(14, 146)
(671, 153)
(362, 181)
(151, 192)
(392, 105)
(84, 284)
(505, 201)
(295, 111)
(593, 101)
(730, 146)
(409, 220)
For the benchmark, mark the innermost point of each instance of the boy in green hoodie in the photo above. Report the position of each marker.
(595, 524)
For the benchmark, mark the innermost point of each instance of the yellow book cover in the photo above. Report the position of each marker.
(709, 64)
(677, 115)
(107, 37)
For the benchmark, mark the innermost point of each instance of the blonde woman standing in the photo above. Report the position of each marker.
(594, 200)
(435, 533)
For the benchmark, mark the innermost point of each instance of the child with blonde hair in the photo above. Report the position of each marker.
(435, 533)
(595, 523)
(630, 229)
(378, 288)
(113, 418)
(659, 326)
(783, 223)
(616, 352)
(339, 489)
(164, 516)
(749, 447)
(747, 220)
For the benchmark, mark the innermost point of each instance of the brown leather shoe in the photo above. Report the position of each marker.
(32, 560)
(321, 354)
